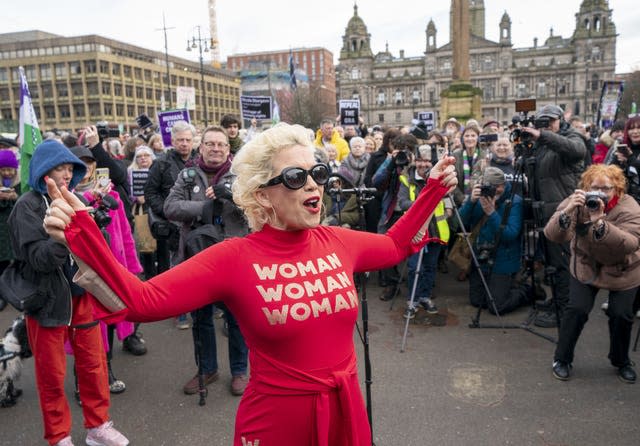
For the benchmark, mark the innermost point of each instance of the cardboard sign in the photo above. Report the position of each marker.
(138, 180)
(258, 107)
(166, 120)
(349, 110)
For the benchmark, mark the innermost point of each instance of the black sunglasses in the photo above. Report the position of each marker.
(296, 177)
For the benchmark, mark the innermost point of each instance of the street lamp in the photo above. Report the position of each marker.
(203, 45)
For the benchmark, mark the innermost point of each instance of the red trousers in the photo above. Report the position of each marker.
(47, 344)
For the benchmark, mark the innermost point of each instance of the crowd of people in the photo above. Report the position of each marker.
(556, 199)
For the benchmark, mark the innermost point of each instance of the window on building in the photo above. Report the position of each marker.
(4, 94)
(49, 112)
(47, 90)
(119, 109)
(541, 90)
(61, 70)
(78, 110)
(106, 88)
(45, 72)
(355, 94)
(3, 75)
(415, 96)
(355, 73)
(108, 109)
(128, 91)
(380, 118)
(61, 88)
(446, 66)
(137, 73)
(89, 66)
(398, 116)
(148, 93)
(147, 75)
(505, 91)
(94, 111)
(522, 90)
(64, 111)
(398, 96)
(130, 110)
(126, 70)
(381, 97)
(117, 89)
(139, 93)
(115, 69)
(92, 88)
(488, 63)
(595, 82)
(104, 67)
(75, 68)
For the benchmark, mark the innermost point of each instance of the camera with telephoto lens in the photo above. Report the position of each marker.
(402, 158)
(101, 215)
(488, 190)
(105, 132)
(592, 199)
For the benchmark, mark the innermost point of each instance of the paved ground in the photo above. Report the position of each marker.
(452, 385)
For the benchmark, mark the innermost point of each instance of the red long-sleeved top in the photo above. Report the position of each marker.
(293, 295)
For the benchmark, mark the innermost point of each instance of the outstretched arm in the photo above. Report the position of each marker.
(164, 295)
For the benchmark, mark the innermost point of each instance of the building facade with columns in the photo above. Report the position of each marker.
(565, 71)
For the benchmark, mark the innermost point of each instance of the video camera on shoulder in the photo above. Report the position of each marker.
(106, 132)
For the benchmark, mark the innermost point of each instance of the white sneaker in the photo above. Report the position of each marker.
(66, 441)
(604, 305)
(106, 435)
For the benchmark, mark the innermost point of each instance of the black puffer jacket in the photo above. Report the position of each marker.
(44, 260)
(162, 176)
(558, 167)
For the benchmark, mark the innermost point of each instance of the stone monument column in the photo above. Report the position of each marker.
(461, 100)
(460, 39)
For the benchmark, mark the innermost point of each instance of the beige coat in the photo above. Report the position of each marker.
(612, 262)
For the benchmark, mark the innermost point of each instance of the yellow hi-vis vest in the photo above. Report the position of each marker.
(438, 215)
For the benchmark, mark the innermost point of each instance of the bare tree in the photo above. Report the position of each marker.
(630, 95)
(307, 105)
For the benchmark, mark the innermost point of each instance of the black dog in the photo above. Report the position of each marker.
(13, 348)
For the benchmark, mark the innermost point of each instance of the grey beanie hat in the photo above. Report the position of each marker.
(493, 176)
(550, 111)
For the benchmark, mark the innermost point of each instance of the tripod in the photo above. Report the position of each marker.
(532, 231)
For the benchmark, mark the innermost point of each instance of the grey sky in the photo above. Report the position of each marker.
(247, 26)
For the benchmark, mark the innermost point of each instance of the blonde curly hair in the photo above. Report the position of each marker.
(253, 167)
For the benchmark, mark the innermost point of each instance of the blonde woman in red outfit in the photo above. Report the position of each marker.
(289, 283)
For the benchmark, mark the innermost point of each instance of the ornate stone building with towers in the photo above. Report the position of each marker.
(570, 71)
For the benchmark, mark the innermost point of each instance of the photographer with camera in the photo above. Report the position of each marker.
(438, 229)
(554, 165)
(202, 195)
(387, 181)
(162, 176)
(627, 156)
(63, 310)
(602, 224)
(498, 246)
(95, 138)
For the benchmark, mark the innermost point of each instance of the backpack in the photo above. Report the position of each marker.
(201, 238)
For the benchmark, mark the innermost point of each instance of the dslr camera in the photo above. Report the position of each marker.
(105, 132)
(101, 213)
(402, 158)
(592, 199)
(488, 190)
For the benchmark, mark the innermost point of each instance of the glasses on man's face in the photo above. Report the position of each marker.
(296, 177)
(212, 144)
(605, 189)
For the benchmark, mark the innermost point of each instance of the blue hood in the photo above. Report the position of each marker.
(48, 155)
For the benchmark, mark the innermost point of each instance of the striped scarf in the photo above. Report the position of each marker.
(466, 169)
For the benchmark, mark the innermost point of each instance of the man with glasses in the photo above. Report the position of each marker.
(559, 153)
(202, 195)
